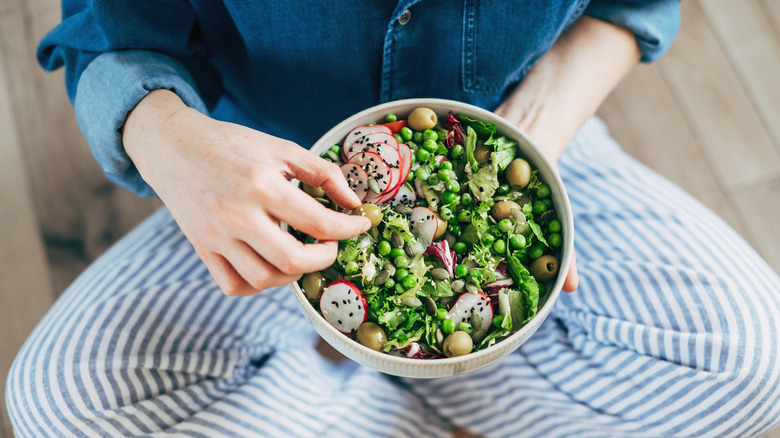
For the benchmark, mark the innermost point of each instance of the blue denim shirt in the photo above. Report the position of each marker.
(295, 68)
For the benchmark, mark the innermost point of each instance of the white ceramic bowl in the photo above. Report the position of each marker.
(405, 367)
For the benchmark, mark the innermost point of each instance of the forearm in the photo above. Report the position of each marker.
(569, 83)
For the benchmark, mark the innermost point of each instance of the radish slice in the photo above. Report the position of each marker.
(392, 158)
(469, 303)
(405, 155)
(375, 168)
(361, 131)
(357, 179)
(343, 306)
(405, 196)
(364, 140)
(423, 225)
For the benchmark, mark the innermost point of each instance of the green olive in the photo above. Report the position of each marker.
(421, 119)
(371, 211)
(482, 154)
(503, 209)
(313, 284)
(518, 173)
(457, 344)
(315, 192)
(371, 335)
(544, 268)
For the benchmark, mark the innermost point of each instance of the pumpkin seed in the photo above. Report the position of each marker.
(451, 240)
(323, 201)
(447, 301)
(411, 301)
(472, 288)
(413, 248)
(374, 186)
(440, 273)
(517, 214)
(430, 306)
(476, 320)
(439, 336)
(381, 277)
(546, 215)
(478, 336)
(389, 267)
(397, 240)
(403, 209)
(374, 232)
(458, 286)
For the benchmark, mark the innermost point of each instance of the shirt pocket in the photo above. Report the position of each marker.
(503, 39)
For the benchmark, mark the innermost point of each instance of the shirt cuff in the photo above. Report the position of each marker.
(109, 88)
(654, 23)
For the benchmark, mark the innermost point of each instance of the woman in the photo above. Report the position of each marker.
(673, 330)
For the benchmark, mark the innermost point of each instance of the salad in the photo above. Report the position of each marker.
(464, 238)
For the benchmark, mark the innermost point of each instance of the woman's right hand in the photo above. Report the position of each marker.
(228, 188)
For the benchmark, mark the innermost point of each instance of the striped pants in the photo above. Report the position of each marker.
(673, 332)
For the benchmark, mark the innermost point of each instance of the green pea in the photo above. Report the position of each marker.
(414, 158)
(410, 177)
(536, 251)
(449, 197)
(395, 252)
(389, 283)
(433, 180)
(409, 282)
(543, 191)
(390, 118)
(465, 199)
(488, 239)
(464, 215)
(446, 164)
(430, 145)
(444, 175)
(398, 138)
(497, 320)
(384, 248)
(554, 226)
(430, 134)
(455, 229)
(446, 214)
(555, 240)
(448, 326)
(539, 207)
(406, 133)
(441, 314)
(401, 261)
(351, 268)
(417, 137)
(336, 149)
(461, 270)
(460, 248)
(504, 225)
(499, 246)
(399, 288)
(503, 189)
(422, 154)
(547, 202)
(456, 152)
(453, 185)
(465, 327)
(400, 274)
(517, 241)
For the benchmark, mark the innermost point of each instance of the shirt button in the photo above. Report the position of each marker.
(405, 17)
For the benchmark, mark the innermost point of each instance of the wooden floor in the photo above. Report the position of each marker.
(707, 116)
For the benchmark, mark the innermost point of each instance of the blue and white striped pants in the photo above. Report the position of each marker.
(673, 332)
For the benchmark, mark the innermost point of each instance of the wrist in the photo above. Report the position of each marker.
(151, 119)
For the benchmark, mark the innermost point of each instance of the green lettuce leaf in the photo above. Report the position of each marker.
(484, 182)
(528, 211)
(482, 129)
(506, 151)
(470, 144)
(524, 280)
(398, 343)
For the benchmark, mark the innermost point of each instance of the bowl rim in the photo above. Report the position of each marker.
(507, 129)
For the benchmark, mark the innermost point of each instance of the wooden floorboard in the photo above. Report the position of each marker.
(747, 37)
(26, 288)
(721, 116)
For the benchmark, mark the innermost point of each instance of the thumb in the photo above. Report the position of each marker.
(318, 172)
